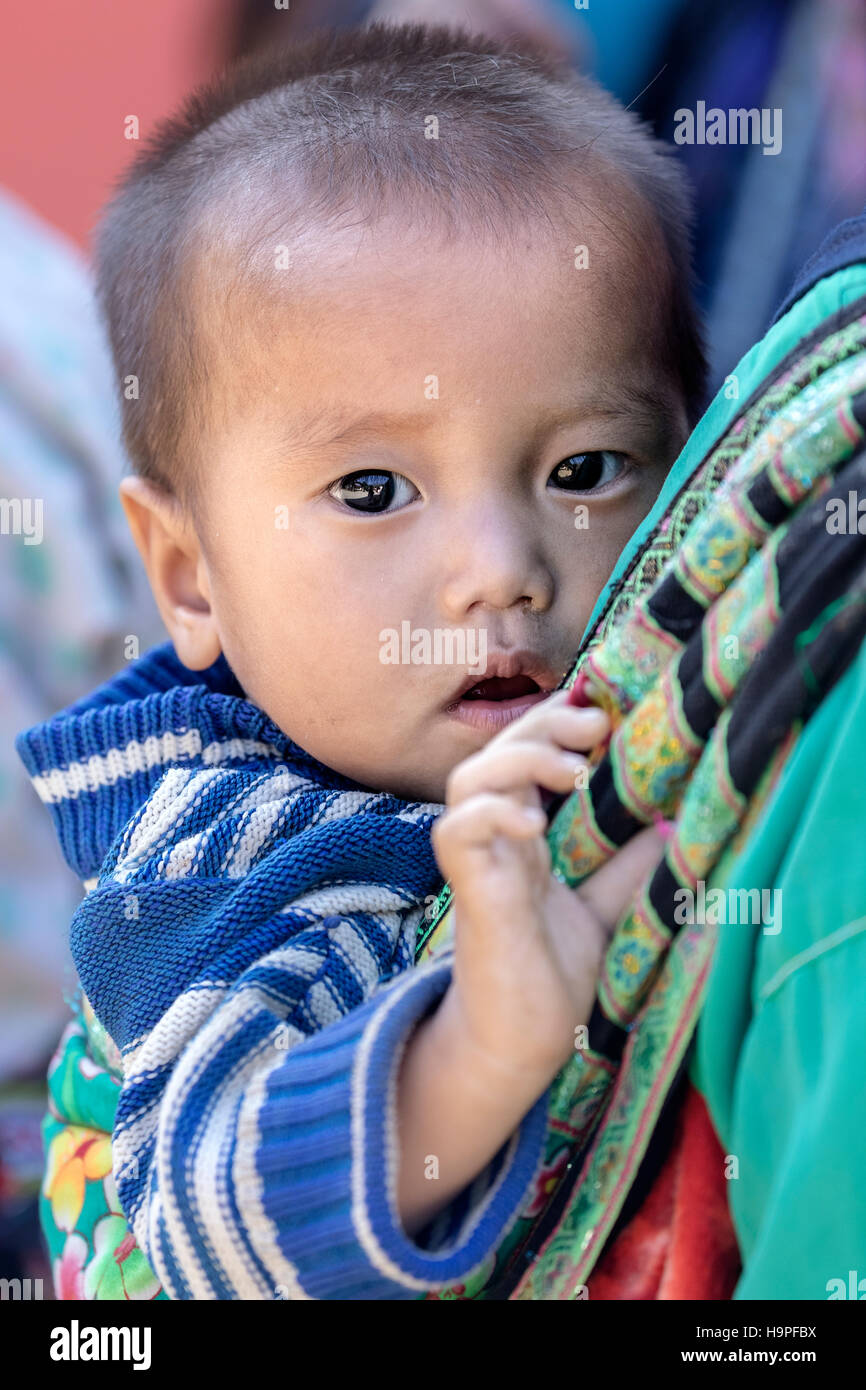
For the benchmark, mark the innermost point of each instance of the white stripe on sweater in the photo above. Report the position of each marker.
(179, 789)
(338, 898)
(323, 1004)
(357, 953)
(254, 834)
(262, 1230)
(210, 1145)
(180, 1022)
(104, 769)
(238, 749)
(270, 793)
(209, 1179)
(378, 1258)
(422, 812)
(345, 804)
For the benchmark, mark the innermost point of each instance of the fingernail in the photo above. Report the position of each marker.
(577, 695)
(664, 827)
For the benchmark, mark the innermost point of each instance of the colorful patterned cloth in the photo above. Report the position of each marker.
(93, 1255)
(709, 675)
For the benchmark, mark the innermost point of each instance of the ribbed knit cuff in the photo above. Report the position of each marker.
(328, 1160)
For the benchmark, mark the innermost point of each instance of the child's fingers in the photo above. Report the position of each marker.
(515, 767)
(497, 767)
(572, 727)
(477, 822)
(557, 721)
(611, 888)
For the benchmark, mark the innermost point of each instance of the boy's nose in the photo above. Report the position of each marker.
(498, 563)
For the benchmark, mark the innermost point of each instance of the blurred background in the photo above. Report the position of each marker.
(76, 81)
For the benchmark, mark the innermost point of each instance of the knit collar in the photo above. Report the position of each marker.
(96, 762)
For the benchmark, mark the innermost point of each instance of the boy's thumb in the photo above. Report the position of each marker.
(608, 892)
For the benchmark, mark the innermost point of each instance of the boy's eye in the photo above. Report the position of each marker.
(372, 491)
(584, 472)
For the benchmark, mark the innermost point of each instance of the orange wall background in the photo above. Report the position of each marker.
(69, 75)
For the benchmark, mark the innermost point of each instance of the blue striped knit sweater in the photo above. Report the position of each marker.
(247, 942)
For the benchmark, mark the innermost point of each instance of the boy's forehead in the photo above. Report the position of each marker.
(593, 246)
(313, 313)
(595, 220)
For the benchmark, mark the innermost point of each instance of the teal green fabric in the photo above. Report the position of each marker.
(780, 1051)
(781, 1044)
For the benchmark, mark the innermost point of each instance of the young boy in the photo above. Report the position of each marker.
(404, 329)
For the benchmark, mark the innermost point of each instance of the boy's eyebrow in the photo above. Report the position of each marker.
(625, 402)
(343, 430)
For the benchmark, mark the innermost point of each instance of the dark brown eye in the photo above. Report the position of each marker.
(585, 472)
(371, 492)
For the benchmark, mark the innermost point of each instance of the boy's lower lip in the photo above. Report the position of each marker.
(492, 715)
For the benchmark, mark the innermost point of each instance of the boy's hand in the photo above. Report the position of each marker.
(528, 949)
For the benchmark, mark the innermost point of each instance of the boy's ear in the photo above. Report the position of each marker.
(170, 549)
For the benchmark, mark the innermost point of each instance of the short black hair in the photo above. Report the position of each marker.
(344, 113)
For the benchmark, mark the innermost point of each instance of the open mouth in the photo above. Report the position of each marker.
(495, 702)
(502, 688)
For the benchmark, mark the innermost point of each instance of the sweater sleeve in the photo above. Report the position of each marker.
(274, 1176)
(261, 1023)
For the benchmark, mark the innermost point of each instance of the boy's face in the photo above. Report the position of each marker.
(393, 489)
